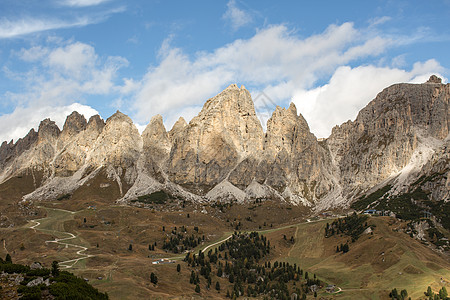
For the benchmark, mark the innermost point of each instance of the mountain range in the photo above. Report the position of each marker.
(223, 154)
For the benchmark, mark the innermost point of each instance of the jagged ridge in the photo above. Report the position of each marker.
(224, 154)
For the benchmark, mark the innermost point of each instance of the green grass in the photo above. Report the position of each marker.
(359, 272)
(54, 224)
(159, 197)
(365, 201)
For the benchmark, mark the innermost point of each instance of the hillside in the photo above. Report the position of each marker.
(374, 265)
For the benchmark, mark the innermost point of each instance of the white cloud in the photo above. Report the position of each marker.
(349, 90)
(275, 60)
(237, 17)
(33, 54)
(67, 72)
(82, 3)
(379, 20)
(17, 124)
(24, 26)
(73, 59)
(282, 65)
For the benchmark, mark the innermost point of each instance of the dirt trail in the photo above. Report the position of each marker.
(71, 262)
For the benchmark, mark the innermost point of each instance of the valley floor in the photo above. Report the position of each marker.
(94, 242)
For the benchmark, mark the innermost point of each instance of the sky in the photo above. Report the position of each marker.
(145, 57)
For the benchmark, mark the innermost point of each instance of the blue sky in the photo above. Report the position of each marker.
(168, 57)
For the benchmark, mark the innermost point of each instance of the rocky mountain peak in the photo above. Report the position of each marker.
(75, 123)
(118, 147)
(388, 132)
(178, 127)
(434, 79)
(10, 150)
(223, 151)
(119, 117)
(233, 113)
(226, 129)
(48, 130)
(155, 133)
(95, 124)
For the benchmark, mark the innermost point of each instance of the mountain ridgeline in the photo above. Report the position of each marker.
(400, 138)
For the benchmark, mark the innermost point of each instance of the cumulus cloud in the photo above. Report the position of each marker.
(237, 17)
(58, 76)
(17, 124)
(66, 72)
(275, 60)
(282, 66)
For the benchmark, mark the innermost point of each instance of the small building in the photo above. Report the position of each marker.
(314, 288)
(370, 212)
(331, 288)
(163, 261)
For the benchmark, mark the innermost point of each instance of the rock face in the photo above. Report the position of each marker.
(387, 132)
(157, 145)
(291, 160)
(118, 148)
(223, 153)
(225, 131)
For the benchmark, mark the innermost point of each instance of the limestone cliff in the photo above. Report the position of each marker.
(223, 154)
(387, 132)
(224, 132)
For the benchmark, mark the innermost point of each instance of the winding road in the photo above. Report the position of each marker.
(71, 262)
(216, 243)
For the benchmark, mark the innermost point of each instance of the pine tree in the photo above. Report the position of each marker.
(153, 278)
(217, 286)
(197, 288)
(8, 259)
(130, 247)
(55, 268)
(394, 294)
(429, 292)
(178, 268)
(192, 279)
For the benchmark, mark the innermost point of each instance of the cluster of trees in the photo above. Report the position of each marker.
(292, 240)
(344, 248)
(442, 294)
(63, 285)
(394, 294)
(222, 206)
(237, 261)
(403, 295)
(179, 242)
(352, 225)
